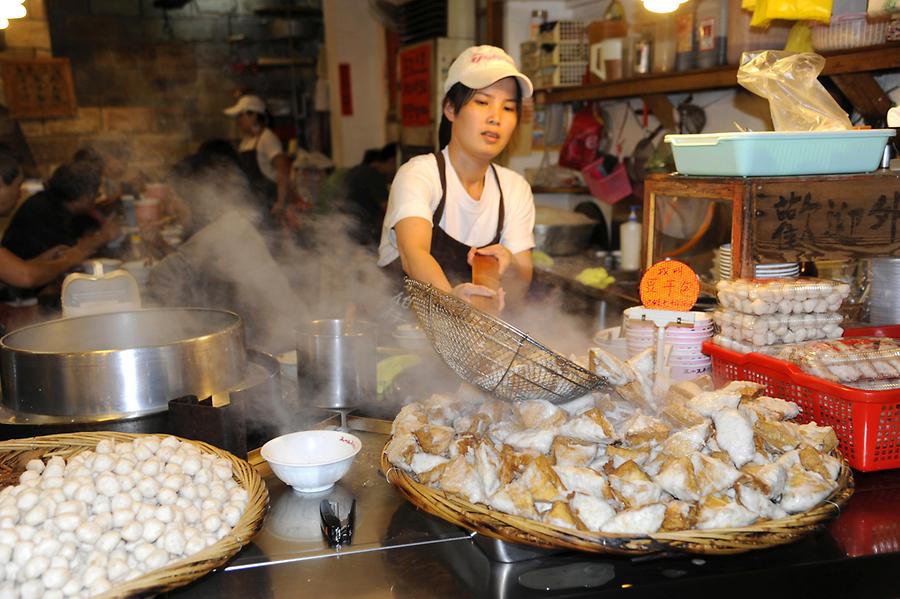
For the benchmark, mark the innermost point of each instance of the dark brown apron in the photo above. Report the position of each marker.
(259, 183)
(450, 253)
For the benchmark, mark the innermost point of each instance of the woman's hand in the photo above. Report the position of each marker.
(466, 291)
(503, 255)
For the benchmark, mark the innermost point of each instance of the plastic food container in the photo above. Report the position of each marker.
(776, 153)
(848, 31)
(782, 296)
(777, 328)
(865, 422)
(847, 360)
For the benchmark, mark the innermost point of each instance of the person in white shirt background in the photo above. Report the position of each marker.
(261, 155)
(447, 206)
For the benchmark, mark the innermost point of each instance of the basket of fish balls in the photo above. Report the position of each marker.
(116, 514)
(709, 471)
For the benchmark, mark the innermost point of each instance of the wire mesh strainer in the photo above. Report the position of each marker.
(494, 355)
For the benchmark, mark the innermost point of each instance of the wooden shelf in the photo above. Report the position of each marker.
(874, 58)
(572, 189)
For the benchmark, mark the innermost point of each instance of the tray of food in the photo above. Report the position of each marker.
(714, 472)
(116, 514)
(782, 296)
(776, 329)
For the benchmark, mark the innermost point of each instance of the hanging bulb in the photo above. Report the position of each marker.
(12, 9)
(662, 6)
(4, 23)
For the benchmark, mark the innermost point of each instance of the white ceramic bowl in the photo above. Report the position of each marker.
(311, 461)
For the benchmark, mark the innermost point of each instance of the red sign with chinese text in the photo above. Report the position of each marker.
(670, 285)
(415, 86)
(345, 89)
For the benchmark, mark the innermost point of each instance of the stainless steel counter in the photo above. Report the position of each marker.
(398, 551)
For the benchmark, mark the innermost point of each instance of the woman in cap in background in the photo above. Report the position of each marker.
(45, 266)
(447, 206)
(261, 155)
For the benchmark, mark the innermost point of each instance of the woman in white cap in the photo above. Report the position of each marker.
(447, 206)
(262, 158)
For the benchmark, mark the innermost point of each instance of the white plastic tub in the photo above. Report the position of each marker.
(775, 153)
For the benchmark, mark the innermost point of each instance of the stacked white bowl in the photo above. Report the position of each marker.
(784, 270)
(683, 344)
(884, 303)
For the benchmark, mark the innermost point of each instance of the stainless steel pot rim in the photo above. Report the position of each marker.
(4, 341)
(13, 417)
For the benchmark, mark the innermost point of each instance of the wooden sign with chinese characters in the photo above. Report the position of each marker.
(807, 218)
(38, 87)
(670, 285)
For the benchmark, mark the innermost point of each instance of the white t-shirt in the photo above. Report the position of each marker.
(416, 192)
(267, 149)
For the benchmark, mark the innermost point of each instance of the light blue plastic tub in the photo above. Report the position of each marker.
(776, 153)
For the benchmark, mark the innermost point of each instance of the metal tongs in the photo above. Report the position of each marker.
(337, 532)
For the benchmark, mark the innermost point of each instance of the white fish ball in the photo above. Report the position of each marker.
(148, 487)
(165, 453)
(122, 517)
(92, 574)
(142, 453)
(211, 523)
(55, 578)
(35, 566)
(99, 587)
(165, 514)
(116, 570)
(22, 552)
(142, 550)
(68, 550)
(103, 463)
(121, 501)
(89, 532)
(151, 467)
(86, 493)
(174, 542)
(72, 587)
(48, 547)
(35, 465)
(107, 484)
(188, 491)
(194, 544)
(174, 482)
(167, 496)
(153, 528)
(27, 500)
(157, 559)
(131, 532)
(31, 589)
(178, 458)
(231, 514)
(36, 515)
(126, 483)
(105, 446)
(108, 541)
(191, 465)
(218, 492)
(172, 468)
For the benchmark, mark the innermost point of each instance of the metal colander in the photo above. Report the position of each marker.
(493, 354)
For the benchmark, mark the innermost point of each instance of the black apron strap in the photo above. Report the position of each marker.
(442, 172)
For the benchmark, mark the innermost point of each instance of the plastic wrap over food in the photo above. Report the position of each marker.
(776, 329)
(850, 360)
(782, 296)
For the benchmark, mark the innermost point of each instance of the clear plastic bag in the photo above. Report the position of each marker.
(789, 82)
(782, 296)
(776, 329)
(851, 360)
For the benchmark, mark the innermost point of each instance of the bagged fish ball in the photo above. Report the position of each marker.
(172, 468)
(35, 465)
(174, 542)
(157, 559)
(31, 589)
(67, 522)
(153, 528)
(35, 566)
(167, 496)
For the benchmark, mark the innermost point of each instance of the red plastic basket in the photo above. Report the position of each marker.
(607, 188)
(867, 423)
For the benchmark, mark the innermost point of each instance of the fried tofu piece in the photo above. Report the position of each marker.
(433, 476)
(677, 478)
(633, 487)
(680, 515)
(512, 464)
(758, 502)
(442, 409)
(459, 477)
(712, 474)
(770, 408)
(680, 413)
(567, 451)
(619, 455)
(487, 465)
(769, 477)
(561, 515)
(717, 511)
(400, 450)
(686, 441)
(591, 426)
(642, 429)
(540, 413)
(423, 462)
(592, 511)
(636, 393)
(579, 406)
(734, 434)
(812, 461)
(746, 389)
(463, 444)
(604, 364)
(514, 499)
(710, 402)
(804, 490)
(637, 521)
(542, 481)
(434, 439)
(410, 418)
(681, 391)
(583, 480)
(820, 437)
(777, 436)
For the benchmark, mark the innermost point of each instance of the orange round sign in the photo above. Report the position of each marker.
(670, 285)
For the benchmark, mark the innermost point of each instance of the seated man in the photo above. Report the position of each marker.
(60, 215)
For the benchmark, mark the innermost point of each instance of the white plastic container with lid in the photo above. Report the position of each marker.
(99, 292)
(630, 240)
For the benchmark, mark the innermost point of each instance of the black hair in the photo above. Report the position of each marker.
(10, 168)
(263, 119)
(215, 151)
(73, 181)
(458, 96)
(370, 155)
(88, 154)
(387, 152)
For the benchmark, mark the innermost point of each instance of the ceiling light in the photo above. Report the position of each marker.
(4, 23)
(12, 9)
(662, 6)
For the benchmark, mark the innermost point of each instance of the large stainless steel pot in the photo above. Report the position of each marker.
(561, 232)
(121, 363)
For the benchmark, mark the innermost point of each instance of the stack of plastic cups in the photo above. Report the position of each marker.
(686, 358)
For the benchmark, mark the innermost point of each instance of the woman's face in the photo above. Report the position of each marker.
(484, 124)
(246, 122)
(9, 194)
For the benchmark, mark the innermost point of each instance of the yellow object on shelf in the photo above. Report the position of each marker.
(543, 259)
(595, 277)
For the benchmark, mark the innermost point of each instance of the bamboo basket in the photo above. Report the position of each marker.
(515, 529)
(15, 454)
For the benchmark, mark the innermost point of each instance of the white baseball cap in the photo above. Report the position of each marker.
(247, 104)
(480, 66)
